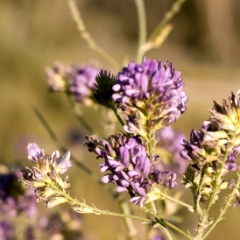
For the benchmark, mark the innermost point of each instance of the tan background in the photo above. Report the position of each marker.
(204, 45)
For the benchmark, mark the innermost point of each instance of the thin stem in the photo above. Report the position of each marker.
(142, 26)
(79, 116)
(165, 223)
(218, 175)
(153, 207)
(86, 36)
(84, 208)
(124, 208)
(165, 232)
(118, 117)
(168, 16)
(180, 202)
(224, 209)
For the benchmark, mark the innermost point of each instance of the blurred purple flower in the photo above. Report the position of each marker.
(14, 198)
(129, 166)
(29, 233)
(169, 148)
(157, 237)
(64, 224)
(78, 80)
(6, 231)
(150, 94)
(82, 80)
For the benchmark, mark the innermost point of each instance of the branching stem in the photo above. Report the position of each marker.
(167, 18)
(86, 36)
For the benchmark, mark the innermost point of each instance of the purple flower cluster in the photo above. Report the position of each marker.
(78, 81)
(129, 166)
(62, 225)
(14, 198)
(82, 82)
(45, 171)
(150, 94)
(6, 231)
(214, 147)
(169, 147)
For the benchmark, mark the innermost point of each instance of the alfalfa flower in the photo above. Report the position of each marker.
(44, 175)
(169, 148)
(128, 166)
(62, 225)
(15, 199)
(6, 230)
(213, 150)
(150, 95)
(82, 83)
(78, 81)
(57, 77)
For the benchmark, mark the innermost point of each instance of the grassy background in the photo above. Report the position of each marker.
(204, 45)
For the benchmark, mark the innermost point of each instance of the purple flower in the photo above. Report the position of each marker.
(129, 166)
(150, 94)
(213, 150)
(45, 171)
(64, 224)
(82, 82)
(58, 162)
(29, 233)
(168, 148)
(6, 231)
(14, 198)
(78, 81)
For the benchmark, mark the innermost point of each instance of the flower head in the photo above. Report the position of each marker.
(129, 166)
(82, 82)
(14, 198)
(150, 95)
(45, 172)
(6, 231)
(56, 77)
(78, 81)
(213, 149)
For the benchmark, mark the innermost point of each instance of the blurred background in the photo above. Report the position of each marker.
(204, 45)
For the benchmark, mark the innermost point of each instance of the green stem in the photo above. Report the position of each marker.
(142, 26)
(218, 175)
(118, 117)
(202, 224)
(165, 232)
(86, 36)
(153, 207)
(92, 209)
(124, 207)
(165, 223)
(197, 198)
(224, 209)
(79, 116)
(168, 16)
(190, 208)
